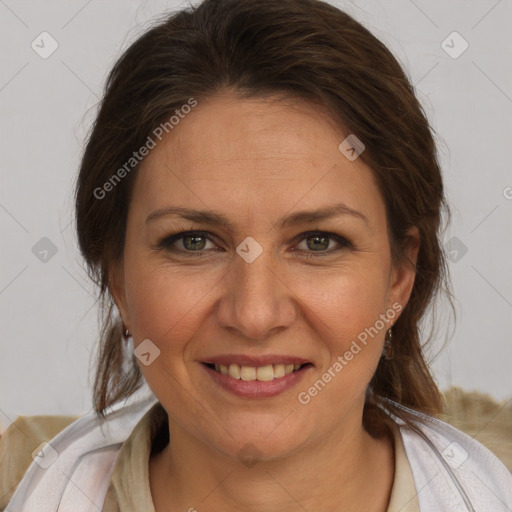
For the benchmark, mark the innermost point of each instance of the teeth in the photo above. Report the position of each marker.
(279, 370)
(234, 371)
(247, 373)
(265, 373)
(261, 373)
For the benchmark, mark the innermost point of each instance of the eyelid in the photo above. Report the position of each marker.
(343, 242)
(166, 242)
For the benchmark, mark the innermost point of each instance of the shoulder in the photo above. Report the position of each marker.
(18, 443)
(453, 466)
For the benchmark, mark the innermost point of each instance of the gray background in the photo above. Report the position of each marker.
(47, 308)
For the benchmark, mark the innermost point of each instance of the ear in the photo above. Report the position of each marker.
(402, 274)
(117, 290)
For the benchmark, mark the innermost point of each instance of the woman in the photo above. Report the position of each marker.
(260, 204)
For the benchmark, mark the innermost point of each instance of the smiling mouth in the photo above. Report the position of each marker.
(261, 373)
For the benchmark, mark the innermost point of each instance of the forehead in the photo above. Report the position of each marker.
(226, 127)
(262, 153)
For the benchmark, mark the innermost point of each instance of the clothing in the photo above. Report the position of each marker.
(130, 492)
(107, 465)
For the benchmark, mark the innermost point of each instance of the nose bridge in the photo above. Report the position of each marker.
(256, 300)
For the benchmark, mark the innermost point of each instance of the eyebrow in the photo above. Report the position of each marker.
(217, 219)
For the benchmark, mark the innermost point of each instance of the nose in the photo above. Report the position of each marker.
(256, 298)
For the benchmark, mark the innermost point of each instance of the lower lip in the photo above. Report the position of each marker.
(256, 388)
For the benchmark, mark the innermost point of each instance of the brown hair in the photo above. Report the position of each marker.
(305, 49)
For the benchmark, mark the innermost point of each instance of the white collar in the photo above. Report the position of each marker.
(87, 450)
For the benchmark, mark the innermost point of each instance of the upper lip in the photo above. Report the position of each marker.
(247, 360)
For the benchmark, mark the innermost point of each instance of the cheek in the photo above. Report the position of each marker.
(165, 308)
(350, 332)
(164, 304)
(345, 308)
(170, 303)
(347, 302)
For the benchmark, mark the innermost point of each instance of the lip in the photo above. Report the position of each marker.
(256, 388)
(247, 360)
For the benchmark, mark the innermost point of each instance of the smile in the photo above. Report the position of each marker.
(260, 373)
(256, 377)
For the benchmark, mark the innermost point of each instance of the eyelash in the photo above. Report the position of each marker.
(166, 243)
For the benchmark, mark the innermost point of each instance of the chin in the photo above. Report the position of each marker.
(268, 440)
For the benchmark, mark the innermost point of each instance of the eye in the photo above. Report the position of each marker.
(190, 241)
(319, 242)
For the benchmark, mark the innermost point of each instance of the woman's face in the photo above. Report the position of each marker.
(259, 285)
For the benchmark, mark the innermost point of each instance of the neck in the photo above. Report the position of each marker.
(349, 471)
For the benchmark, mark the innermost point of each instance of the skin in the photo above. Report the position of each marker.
(255, 161)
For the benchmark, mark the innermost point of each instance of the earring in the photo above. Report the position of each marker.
(126, 333)
(388, 351)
